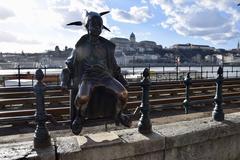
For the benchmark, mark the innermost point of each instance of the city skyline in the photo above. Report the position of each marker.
(36, 26)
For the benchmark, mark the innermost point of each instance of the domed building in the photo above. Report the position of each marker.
(129, 51)
(132, 38)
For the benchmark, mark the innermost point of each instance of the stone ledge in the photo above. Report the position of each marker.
(188, 140)
(198, 130)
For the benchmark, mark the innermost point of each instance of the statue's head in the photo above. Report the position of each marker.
(93, 24)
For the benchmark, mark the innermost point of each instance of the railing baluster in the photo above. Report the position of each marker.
(41, 138)
(217, 113)
(187, 83)
(145, 125)
(19, 76)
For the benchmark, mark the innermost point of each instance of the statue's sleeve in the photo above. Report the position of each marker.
(70, 62)
(117, 71)
(67, 73)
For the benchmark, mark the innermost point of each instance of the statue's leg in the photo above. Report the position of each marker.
(81, 102)
(122, 95)
(122, 104)
(73, 94)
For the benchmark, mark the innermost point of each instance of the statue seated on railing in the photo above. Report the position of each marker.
(98, 87)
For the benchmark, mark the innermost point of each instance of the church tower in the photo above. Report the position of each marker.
(132, 38)
(238, 46)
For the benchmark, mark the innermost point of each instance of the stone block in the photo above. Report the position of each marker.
(25, 150)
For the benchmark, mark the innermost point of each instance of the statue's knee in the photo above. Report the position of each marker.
(79, 101)
(123, 97)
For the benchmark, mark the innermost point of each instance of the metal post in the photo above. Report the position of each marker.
(41, 137)
(212, 71)
(144, 124)
(19, 76)
(177, 71)
(4, 85)
(133, 70)
(217, 113)
(227, 73)
(163, 74)
(32, 80)
(187, 83)
(45, 71)
(206, 74)
(201, 71)
(189, 68)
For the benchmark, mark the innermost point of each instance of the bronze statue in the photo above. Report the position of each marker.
(92, 64)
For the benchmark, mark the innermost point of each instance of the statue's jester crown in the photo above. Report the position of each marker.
(89, 16)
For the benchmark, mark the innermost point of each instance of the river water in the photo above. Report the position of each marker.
(130, 70)
(134, 73)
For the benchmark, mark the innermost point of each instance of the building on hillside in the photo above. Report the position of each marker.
(192, 46)
(231, 59)
(1, 56)
(129, 51)
(132, 38)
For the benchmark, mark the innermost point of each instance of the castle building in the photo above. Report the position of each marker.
(132, 38)
(192, 46)
(129, 50)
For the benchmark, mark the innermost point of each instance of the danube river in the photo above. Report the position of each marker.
(211, 70)
(131, 69)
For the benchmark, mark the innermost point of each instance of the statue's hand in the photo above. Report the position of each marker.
(65, 79)
(64, 88)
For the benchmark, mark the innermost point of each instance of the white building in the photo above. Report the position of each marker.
(231, 59)
(129, 51)
(192, 46)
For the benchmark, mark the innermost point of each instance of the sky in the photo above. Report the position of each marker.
(40, 25)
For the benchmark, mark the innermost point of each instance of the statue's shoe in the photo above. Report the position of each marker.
(125, 120)
(77, 126)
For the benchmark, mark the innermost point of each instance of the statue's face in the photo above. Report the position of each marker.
(95, 25)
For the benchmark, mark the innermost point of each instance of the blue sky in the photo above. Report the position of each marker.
(39, 25)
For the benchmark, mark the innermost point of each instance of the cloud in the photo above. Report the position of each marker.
(5, 13)
(214, 21)
(40, 24)
(143, 1)
(10, 38)
(135, 15)
(75, 10)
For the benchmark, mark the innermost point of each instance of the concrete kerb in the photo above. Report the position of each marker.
(181, 140)
(110, 145)
(180, 133)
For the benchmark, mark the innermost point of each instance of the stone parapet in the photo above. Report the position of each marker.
(198, 139)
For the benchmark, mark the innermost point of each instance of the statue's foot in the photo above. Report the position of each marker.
(77, 126)
(125, 120)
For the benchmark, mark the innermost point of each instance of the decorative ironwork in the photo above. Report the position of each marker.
(144, 125)
(217, 113)
(41, 137)
(187, 83)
